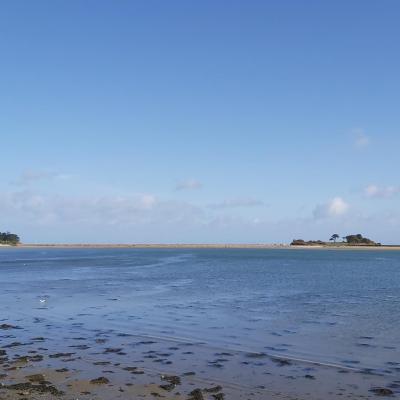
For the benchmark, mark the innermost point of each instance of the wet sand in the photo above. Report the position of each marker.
(107, 364)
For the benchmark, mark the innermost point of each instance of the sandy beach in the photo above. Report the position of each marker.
(114, 365)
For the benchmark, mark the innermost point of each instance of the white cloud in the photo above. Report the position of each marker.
(188, 184)
(143, 217)
(375, 191)
(147, 201)
(337, 206)
(31, 176)
(334, 208)
(361, 139)
(237, 202)
(27, 206)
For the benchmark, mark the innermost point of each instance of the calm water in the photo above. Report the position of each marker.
(340, 307)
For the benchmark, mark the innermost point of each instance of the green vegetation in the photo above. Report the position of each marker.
(350, 240)
(334, 237)
(9, 238)
(360, 240)
(301, 242)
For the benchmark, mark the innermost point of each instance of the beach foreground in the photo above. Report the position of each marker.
(110, 365)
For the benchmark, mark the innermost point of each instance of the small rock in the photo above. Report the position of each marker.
(7, 327)
(35, 378)
(176, 380)
(168, 387)
(59, 355)
(214, 389)
(100, 381)
(196, 394)
(281, 361)
(382, 391)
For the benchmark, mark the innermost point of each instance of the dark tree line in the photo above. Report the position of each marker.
(359, 239)
(350, 240)
(9, 238)
(354, 239)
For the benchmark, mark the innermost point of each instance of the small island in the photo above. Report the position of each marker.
(349, 240)
(9, 239)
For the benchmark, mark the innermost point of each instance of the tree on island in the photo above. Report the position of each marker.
(9, 238)
(334, 237)
(360, 240)
(349, 240)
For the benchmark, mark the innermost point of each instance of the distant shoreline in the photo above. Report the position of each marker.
(156, 245)
(202, 246)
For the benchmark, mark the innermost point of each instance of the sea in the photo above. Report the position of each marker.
(335, 308)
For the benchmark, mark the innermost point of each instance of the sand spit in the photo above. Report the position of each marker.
(160, 245)
(202, 246)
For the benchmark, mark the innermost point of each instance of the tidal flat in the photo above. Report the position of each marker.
(198, 324)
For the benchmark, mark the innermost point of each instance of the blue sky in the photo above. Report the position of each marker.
(212, 121)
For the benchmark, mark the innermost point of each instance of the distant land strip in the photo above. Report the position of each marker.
(205, 246)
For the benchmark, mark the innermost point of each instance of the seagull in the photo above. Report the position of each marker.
(42, 300)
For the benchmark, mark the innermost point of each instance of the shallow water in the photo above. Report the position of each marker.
(333, 307)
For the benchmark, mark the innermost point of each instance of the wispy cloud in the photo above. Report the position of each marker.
(237, 202)
(189, 184)
(361, 140)
(143, 217)
(32, 176)
(333, 208)
(374, 191)
(127, 210)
